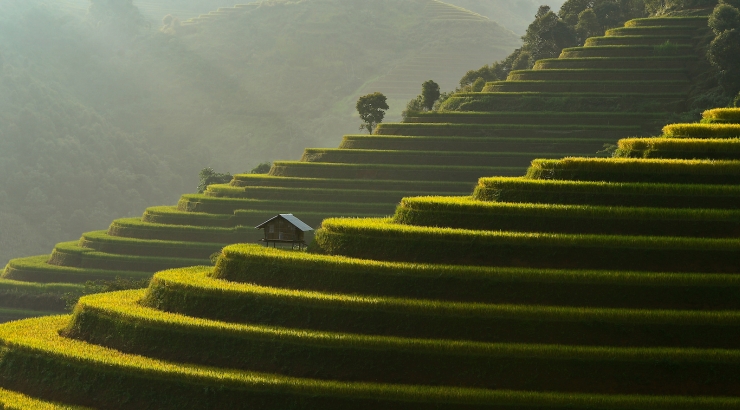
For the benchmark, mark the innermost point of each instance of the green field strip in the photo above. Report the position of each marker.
(136, 228)
(326, 195)
(382, 239)
(639, 40)
(564, 102)
(467, 213)
(625, 51)
(42, 361)
(10, 400)
(695, 130)
(35, 296)
(101, 242)
(10, 314)
(687, 171)
(253, 180)
(655, 31)
(337, 274)
(411, 361)
(599, 75)
(616, 62)
(198, 295)
(70, 254)
(722, 115)
(589, 86)
(683, 148)
(387, 171)
(545, 117)
(393, 157)
(474, 144)
(506, 130)
(639, 194)
(36, 269)
(202, 203)
(170, 215)
(696, 21)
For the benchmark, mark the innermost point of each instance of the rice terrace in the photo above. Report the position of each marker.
(552, 223)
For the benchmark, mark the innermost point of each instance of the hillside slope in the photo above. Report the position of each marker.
(567, 106)
(589, 283)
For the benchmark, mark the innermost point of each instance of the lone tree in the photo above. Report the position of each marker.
(429, 94)
(372, 110)
(208, 177)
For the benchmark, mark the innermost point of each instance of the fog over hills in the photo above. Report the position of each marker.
(102, 113)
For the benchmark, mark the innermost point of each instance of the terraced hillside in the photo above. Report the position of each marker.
(589, 283)
(545, 112)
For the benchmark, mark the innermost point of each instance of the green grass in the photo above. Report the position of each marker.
(249, 180)
(591, 86)
(554, 118)
(362, 358)
(72, 255)
(598, 75)
(506, 189)
(638, 40)
(388, 172)
(564, 102)
(10, 400)
(203, 203)
(381, 239)
(616, 62)
(428, 158)
(506, 130)
(337, 274)
(136, 228)
(654, 31)
(35, 269)
(474, 144)
(697, 21)
(320, 194)
(34, 347)
(468, 213)
(722, 115)
(637, 170)
(170, 215)
(626, 51)
(102, 242)
(682, 148)
(702, 130)
(198, 295)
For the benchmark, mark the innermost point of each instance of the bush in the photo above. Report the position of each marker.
(724, 18)
(208, 176)
(262, 168)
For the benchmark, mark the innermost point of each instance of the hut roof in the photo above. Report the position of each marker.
(291, 219)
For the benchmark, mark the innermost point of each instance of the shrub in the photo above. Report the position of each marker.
(208, 176)
(262, 168)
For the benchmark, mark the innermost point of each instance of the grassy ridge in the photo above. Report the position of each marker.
(590, 86)
(170, 215)
(110, 375)
(616, 62)
(381, 239)
(136, 228)
(506, 189)
(317, 194)
(197, 295)
(683, 148)
(696, 21)
(638, 40)
(71, 255)
(247, 180)
(636, 170)
(101, 242)
(338, 274)
(443, 158)
(505, 130)
(554, 118)
(702, 130)
(203, 203)
(573, 102)
(467, 213)
(602, 75)
(10, 400)
(387, 172)
(352, 357)
(36, 269)
(624, 51)
(722, 115)
(473, 144)
(654, 31)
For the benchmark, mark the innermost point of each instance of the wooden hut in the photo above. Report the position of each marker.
(284, 228)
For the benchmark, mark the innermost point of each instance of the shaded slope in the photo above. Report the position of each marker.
(611, 310)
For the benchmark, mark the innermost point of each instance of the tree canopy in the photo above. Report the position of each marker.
(371, 108)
